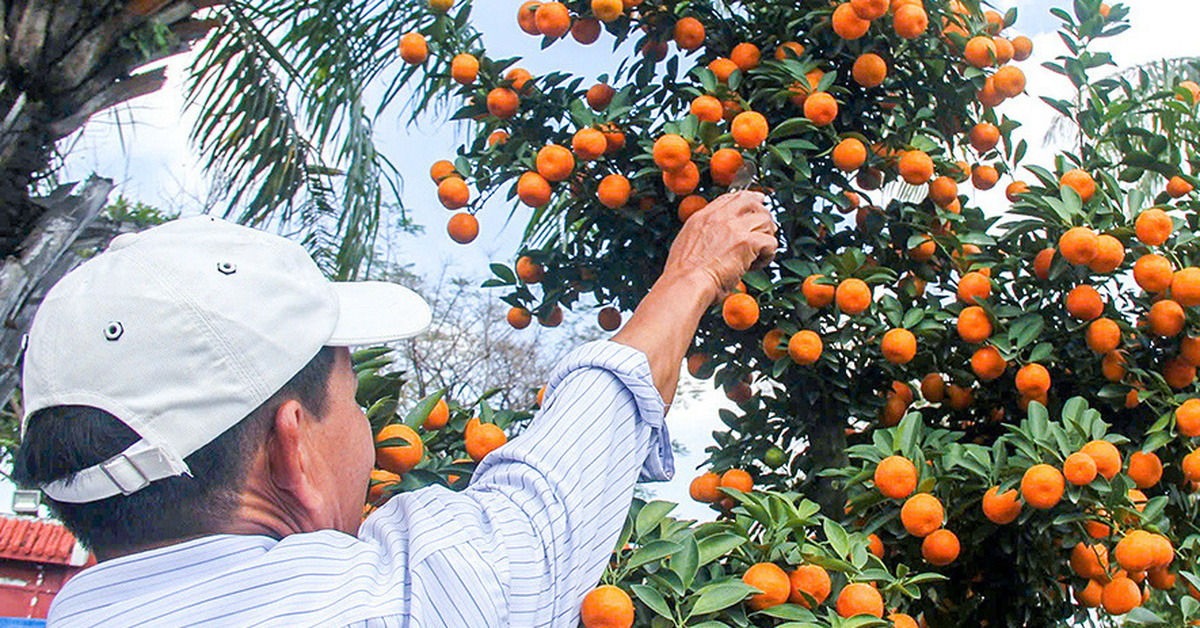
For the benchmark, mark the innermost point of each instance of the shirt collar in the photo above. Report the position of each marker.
(120, 579)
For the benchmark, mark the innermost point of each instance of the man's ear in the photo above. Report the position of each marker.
(284, 448)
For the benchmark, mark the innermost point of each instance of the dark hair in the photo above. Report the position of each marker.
(61, 440)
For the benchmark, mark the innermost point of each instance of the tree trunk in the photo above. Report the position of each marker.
(61, 62)
(45, 257)
(827, 447)
(828, 452)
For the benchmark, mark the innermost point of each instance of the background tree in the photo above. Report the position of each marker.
(470, 351)
(855, 313)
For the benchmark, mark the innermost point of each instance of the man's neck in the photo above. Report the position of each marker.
(262, 513)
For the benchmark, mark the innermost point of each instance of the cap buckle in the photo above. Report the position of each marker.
(124, 474)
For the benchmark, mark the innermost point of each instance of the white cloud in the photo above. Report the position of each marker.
(143, 146)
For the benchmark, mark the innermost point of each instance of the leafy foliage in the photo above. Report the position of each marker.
(283, 115)
(989, 384)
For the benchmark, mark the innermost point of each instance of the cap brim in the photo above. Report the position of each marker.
(376, 311)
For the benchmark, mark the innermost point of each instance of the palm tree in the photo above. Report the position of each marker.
(1149, 84)
(278, 91)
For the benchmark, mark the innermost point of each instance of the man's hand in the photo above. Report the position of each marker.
(733, 234)
(716, 246)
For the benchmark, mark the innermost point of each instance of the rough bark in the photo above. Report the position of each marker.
(47, 255)
(62, 62)
(827, 447)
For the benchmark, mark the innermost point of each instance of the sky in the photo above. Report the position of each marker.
(144, 147)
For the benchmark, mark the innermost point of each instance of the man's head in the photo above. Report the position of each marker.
(190, 343)
(62, 440)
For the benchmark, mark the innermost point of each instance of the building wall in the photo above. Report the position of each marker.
(26, 588)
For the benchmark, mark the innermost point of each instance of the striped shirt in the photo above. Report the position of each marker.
(520, 547)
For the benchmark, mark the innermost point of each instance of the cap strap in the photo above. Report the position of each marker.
(124, 473)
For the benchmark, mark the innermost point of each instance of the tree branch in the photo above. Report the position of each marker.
(46, 249)
(29, 37)
(117, 93)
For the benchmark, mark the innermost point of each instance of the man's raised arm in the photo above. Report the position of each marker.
(713, 250)
(535, 529)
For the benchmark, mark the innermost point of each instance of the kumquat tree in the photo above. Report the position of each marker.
(946, 416)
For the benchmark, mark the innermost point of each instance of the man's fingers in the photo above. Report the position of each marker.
(766, 223)
(740, 202)
(755, 223)
(763, 244)
(751, 202)
(764, 247)
(727, 199)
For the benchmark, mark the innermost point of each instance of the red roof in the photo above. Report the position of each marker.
(37, 540)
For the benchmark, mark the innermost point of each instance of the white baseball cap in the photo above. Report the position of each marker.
(182, 330)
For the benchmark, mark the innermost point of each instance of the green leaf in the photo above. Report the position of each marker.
(381, 413)
(626, 534)
(1025, 330)
(793, 612)
(1037, 412)
(913, 317)
(687, 562)
(368, 355)
(790, 127)
(1142, 615)
(1156, 440)
(1060, 209)
(757, 280)
(1041, 352)
(486, 413)
(1072, 202)
(652, 598)
(1190, 606)
(907, 435)
(864, 621)
(715, 597)
(504, 273)
(1154, 508)
(837, 537)
(420, 412)
(666, 579)
(651, 514)
(718, 545)
(420, 478)
(655, 550)
(1073, 410)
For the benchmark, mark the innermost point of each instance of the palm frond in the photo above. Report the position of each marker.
(281, 90)
(248, 131)
(1141, 85)
(1150, 77)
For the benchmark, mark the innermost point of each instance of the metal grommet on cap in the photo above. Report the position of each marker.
(113, 330)
(226, 268)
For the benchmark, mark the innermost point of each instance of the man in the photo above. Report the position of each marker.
(190, 416)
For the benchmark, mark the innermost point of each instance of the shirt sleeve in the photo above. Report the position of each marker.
(534, 531)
